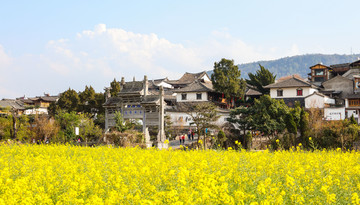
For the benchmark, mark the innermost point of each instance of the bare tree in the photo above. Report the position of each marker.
(204, 115)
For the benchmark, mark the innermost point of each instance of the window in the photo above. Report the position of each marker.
(198, 96)
(354, 102)
(279, 93)
(299, 92)
(319, 79)
(183, 96)
(319, 72)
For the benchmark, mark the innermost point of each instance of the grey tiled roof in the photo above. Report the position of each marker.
(49, 98)
(27, 101)
(342, 65)
(316, 93)
(151, 99)
(252, 92)
(16, 104)
(132, 87)
(112, 101)
(334, 79)
(196, 86)
(353, 96)
(292, 82)
(41, 98)
(355, 63)
(188, 78)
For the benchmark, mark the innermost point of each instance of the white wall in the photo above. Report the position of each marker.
(314, 101)
(291, 92)
(336, 113)
(165, 85)
(352, 112)
(192, 97)
(329, 101)
(35, 111)
(180, 118)
(183, 119)
(206, 79)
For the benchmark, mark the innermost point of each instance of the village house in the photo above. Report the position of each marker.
(251, 93)
(291, 90)
(142, 100)
(318, 100)
(197, 92)
(7, 106)
(319, 73)
(340, 82)
(38, 104)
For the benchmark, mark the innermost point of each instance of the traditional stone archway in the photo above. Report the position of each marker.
(134, 102)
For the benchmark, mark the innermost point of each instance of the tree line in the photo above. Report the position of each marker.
(73, 109)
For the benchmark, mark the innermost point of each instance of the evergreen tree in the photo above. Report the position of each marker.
(352, 120)
(290, 123)
(69, 100)
(269, 115)
(304, 124)
(122, 125)
(260, 79)
(226, 79)
(114, 88)
(241, 117)
(87, 100)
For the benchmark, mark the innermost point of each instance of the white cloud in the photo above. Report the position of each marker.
(95, 57)
(221, 44)
(294, 50)
(113, 51)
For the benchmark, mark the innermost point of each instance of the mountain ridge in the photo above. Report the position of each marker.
(298, 64)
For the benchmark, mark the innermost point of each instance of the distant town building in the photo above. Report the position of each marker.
(291, 90)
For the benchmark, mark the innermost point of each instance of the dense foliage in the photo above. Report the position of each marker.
(226, 79)
(286, 127)
(261, 78)
(114, 88)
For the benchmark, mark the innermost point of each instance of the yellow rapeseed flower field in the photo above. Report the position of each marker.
(64, 174)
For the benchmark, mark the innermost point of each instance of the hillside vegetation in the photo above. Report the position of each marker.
(295, 64)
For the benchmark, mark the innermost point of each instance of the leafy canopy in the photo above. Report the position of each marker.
(69, 100)
(114, 88)
(269, 115)
(226, 79)
(261, 78)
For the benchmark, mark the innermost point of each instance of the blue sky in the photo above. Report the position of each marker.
(49, 46)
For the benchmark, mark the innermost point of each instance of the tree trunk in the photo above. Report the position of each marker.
(244, 136)
(14, 126)
(204, 139)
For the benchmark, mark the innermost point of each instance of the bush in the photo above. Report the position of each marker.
(128, 138)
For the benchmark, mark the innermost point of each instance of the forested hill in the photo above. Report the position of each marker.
(295, 64)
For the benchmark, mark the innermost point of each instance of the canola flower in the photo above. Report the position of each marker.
(61, 174)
